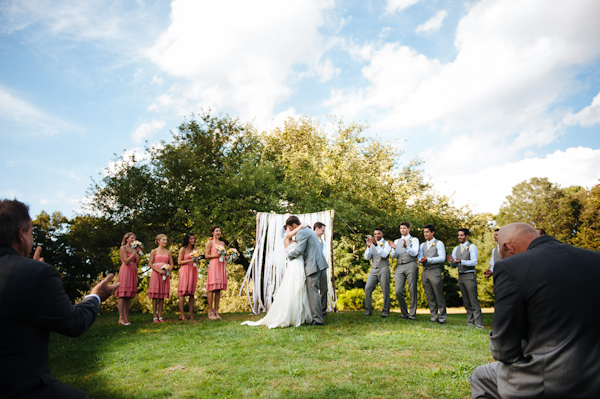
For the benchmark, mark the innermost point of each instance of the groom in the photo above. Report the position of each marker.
(315, 265)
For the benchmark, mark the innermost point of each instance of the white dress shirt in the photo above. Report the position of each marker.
(472, 251)
(492, 260)
(412, 246)
(382, 248)
(440, 249)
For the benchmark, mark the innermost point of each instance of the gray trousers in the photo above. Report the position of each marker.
(408, 272)
(323, 291)
(484, 381)
(313, 282)
(467, 282)
(434, 292)
(378, 276)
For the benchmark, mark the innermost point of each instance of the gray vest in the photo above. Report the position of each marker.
(464, 255)
(378, 261)
(403, 256)
(431, 253)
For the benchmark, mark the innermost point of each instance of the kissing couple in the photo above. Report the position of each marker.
(302, 294)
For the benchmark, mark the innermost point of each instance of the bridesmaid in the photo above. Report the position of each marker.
(216, 280)
(188, 275)
(130, 260)
(158, 289)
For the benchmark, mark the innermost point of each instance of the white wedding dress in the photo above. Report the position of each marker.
(290, 306)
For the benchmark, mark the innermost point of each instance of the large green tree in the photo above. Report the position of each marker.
(546, 205)
(589, 235)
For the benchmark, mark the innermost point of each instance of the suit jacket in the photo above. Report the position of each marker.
(546, 326)
(309, 247)
(33, 303)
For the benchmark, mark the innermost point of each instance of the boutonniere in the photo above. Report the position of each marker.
(381, 245)
(467, 248)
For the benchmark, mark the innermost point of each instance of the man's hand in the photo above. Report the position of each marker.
(369, 241)
(404, 243)
(37, 253)
(488, 273)
(103, 290)
(452, 260)
(392, 244)
(423, 260)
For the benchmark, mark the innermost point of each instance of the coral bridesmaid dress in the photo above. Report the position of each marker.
(128, 279)
(188, 278)
(217, 273)
(158, 287)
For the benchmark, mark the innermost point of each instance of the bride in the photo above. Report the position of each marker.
(290, 306)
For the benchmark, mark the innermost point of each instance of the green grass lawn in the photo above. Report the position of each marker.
(352, 356)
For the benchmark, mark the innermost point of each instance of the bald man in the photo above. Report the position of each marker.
(544, 334)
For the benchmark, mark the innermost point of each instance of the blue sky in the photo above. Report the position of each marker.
(487, 93)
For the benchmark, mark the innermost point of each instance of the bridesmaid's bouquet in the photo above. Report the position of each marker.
(166, 268)
(221, 251)
(232, 255)
(137, 244)
(195, 255)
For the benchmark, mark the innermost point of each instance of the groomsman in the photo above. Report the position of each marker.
(379, 251)
(465, 257)
(405, 249)
(319, 229)
(432, 255)
(496, 257)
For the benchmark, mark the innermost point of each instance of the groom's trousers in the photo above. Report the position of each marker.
(313, 283)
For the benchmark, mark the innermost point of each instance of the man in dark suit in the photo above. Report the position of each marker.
(32, 304)
(545, 333)
(315, 265)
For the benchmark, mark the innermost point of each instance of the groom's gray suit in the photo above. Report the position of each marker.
(315, 264)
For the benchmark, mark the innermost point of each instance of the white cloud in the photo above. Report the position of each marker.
(588, 116)
(240, 54)
(489, 186)
(146, 129)
(157, 80)
(515, 62)
(137, 153)
(433, 24)
(29, 118)
(399, 5)
(79, 21)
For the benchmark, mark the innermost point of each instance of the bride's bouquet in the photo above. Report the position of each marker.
(232, 255)
(221, 251)
(165, 267)
(137, 244)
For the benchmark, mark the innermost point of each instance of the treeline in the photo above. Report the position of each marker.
(218, 170)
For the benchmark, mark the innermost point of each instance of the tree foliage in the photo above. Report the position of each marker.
(546, 205)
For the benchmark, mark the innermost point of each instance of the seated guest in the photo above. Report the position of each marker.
(544, 333)
(33, 303)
